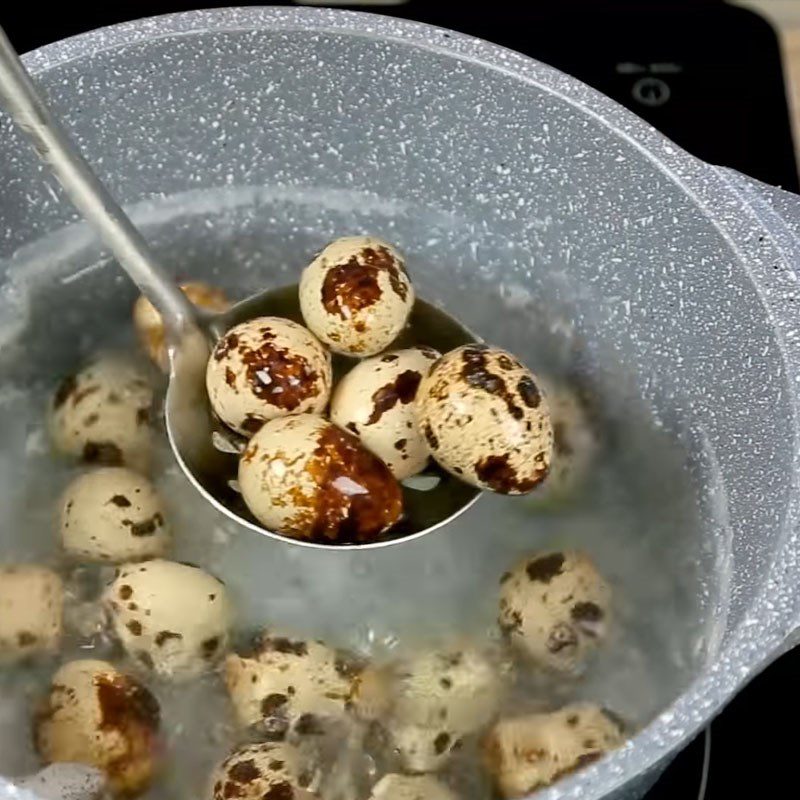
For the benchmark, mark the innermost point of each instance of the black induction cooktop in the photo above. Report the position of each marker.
(709, 76)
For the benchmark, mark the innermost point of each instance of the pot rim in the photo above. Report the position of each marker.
(776, 611)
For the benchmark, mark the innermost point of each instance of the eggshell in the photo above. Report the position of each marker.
(266, 771)
(173, 618)
(111, 515)
(289, 682)
(31, 604)
(410, 787)
(101, 415)
(265, 368)
(561, 741)
(99, 716)
(306, 478)
(356, 295)
(375, 401)
(485, 419)
(556, 608)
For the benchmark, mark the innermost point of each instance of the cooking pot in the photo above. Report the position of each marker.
(546, 216)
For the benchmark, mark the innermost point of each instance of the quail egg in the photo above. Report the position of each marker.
(99, 716)
(556, 608)
(575, 444)
(356, 295)
(31, 603)
(439, 698)
(150, 327)
(112, 515)
(485, 419)
(526, 753)
(267, 771)
(297, 683)
(461, 687)
(423, 748)
(375, 400)
(265, 368)
(410, 787)
(308, 479)
(173, 618)
(101, 415)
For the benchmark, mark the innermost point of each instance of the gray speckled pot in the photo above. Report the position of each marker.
(683, 271)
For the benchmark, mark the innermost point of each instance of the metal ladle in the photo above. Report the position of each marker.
(194, 433)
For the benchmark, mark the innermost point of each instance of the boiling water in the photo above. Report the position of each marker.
(651, 514)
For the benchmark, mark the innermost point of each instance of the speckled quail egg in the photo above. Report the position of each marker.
(410, 787)
(31, 603)
(265, 368)
(423, 748)
(375, 400)
(356, 295)
(575, 444)
(439, 698)
(308, 479)
(460, 687)
(297, 683)
(101, 415)
(150, 327)
(99, 716)
(173, 618)
(526, 753)
(267, 771)
(485, 419)
(112, 515)
(556, 608)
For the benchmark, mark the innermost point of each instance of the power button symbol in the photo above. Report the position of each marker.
(650, 91)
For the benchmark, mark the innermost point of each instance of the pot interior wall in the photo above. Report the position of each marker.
(241, 153)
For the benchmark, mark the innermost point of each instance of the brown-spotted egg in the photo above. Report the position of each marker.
(265, 771)
(556, 608)
(375, 400)
(101, 414)
(308, 479)
(31, 603)
(525, 753)
(356, 295)
(485, 419)
(99, 716)
(265, 368)
(111, 515)
(172, 618)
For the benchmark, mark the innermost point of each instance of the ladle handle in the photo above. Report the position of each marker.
(51, 142)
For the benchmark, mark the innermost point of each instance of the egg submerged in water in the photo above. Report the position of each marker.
(308, 479)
